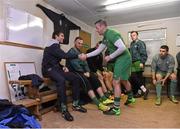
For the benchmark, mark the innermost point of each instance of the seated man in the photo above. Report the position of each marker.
(89, 79)
(105, 77)
(59, 74)
(163, 69)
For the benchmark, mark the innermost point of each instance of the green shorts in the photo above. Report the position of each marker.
(122, 67)
(163, 74)
(135, 67)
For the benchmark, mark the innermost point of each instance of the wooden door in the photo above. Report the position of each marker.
(87, 40)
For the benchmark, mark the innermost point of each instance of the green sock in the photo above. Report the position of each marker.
(75, 102)
(130, 94)
(107, 94)
(103, 98)
(173, 87)
(63, 107)
(96, 101)
(117, 102)
(158, 89)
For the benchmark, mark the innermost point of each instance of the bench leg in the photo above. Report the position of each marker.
(37, 112)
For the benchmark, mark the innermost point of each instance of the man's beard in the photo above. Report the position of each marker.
(163, 56)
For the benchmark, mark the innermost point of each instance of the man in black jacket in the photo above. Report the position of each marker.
(52, 68)
(105, 77)
(95, 63)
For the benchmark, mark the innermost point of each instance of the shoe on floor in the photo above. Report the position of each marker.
(103, 107)
(145, 94)
(158, 101)
(79, 108)
(174, 100)
(130, 101)
(67, 116)
(107, 101)
(113, 111)
(137, 95)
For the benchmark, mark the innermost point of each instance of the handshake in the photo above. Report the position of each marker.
(82, 56)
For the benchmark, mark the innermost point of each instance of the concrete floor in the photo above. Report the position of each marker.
(143, 114)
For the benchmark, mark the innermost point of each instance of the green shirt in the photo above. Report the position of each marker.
(77, 64)
(138, 51)
(122, 64)
(110, 37)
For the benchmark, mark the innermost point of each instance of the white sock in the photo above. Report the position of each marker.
(143, 88)
(140, 92)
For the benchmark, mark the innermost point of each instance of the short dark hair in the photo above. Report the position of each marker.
(103, 22)
(56, 33)
(165, 47)
(78, 38)
(134, 32)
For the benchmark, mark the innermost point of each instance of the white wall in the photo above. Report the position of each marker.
(1, 21)
(11, 53)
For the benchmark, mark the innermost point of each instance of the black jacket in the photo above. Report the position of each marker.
(52, 56)
(36, 80)
(61, 23)
(95, 63)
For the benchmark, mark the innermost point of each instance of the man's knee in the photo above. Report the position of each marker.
(61, 82)
(173, 76)
(100, 77)
(73, 77)
(158, 77)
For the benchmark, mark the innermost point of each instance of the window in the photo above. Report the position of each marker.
(153, 39)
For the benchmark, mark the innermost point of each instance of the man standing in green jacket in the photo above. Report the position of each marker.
(139, 57)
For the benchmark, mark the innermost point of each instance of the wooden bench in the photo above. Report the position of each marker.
(34, 98)
(31, 103)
